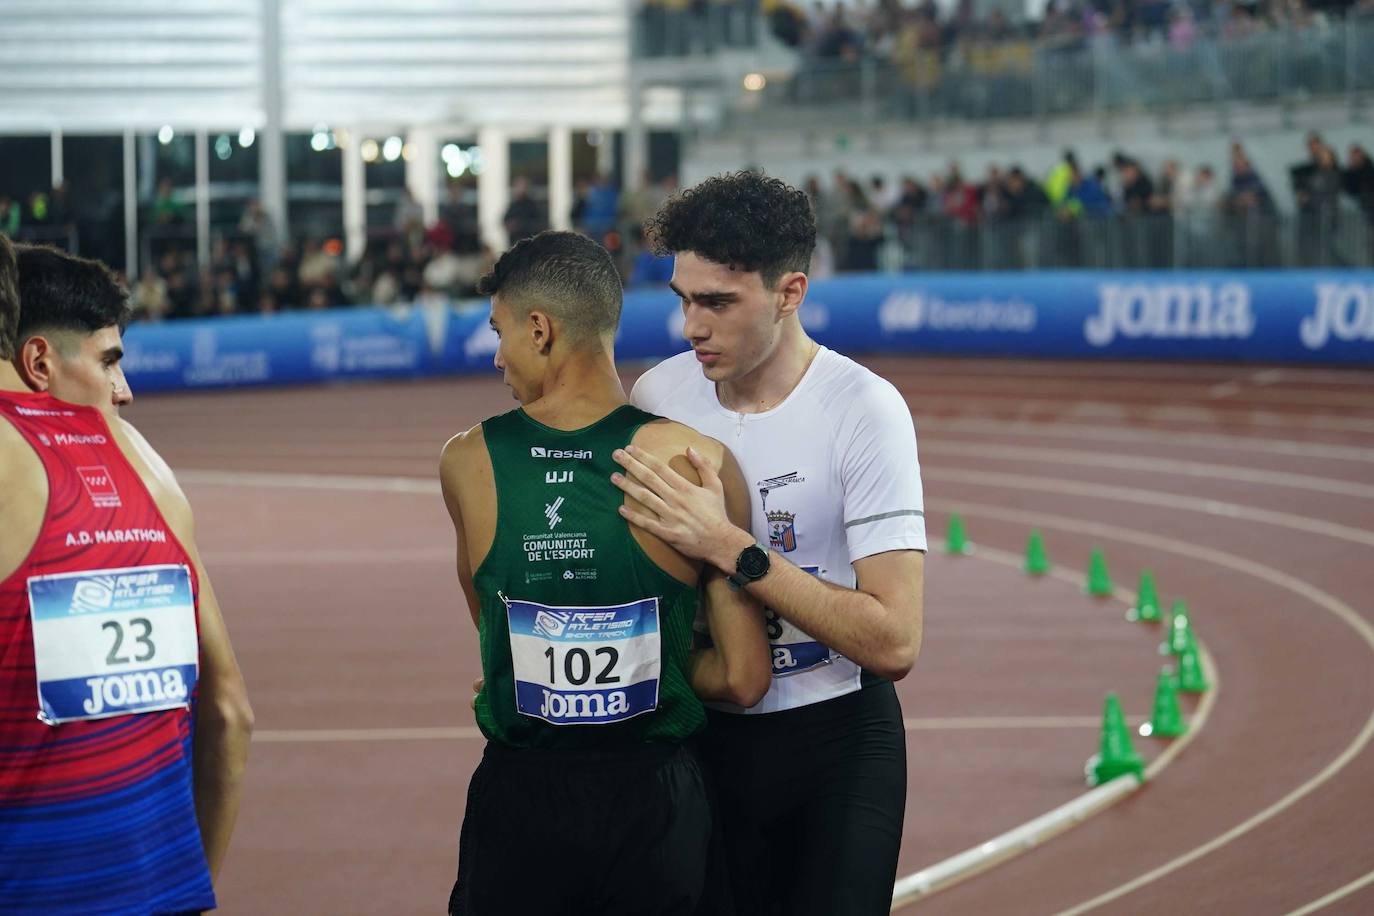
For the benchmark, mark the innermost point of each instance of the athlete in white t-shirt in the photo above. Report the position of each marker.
(812, 780)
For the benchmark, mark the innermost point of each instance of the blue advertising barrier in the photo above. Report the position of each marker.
(1258, 316)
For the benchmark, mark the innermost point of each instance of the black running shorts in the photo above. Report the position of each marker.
(811, 802)
(584, 832)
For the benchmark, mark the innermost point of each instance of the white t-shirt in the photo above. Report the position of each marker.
(834, 478)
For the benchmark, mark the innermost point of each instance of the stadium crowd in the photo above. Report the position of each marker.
(1119, 213)
(830, 30)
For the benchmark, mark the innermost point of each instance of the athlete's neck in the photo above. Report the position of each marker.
(579, 389)
(10, 380)
(769, 384)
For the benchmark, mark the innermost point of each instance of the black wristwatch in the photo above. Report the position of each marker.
(752, 565)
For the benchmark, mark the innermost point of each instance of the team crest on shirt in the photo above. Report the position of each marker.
(99, 486)
(782, 531)
(777, 483)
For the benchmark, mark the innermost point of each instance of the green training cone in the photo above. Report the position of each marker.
(1037, 562)
(1116, 756)
(1146, 608)
(1166, 720)
(1191, 677)
(956, 541)
(1099, 583)
(1180, 631)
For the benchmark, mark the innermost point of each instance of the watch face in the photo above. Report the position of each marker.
(753, 562)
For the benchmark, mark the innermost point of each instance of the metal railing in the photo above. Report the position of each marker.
(981, 79)
(1341, 238)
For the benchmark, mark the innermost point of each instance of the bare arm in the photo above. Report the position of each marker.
(223, 730)
(453, 468)
(737, 668)
(877, 625)
(224, 718)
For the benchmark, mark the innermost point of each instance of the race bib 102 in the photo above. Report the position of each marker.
(793, 650)
(112, 642)
(585, 666)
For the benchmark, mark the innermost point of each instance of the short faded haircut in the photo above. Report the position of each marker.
(564, 274)
(62, 292)
(9, 300)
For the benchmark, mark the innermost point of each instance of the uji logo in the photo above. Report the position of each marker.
(99, 486)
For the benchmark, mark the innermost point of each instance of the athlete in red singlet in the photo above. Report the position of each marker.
(123, 719)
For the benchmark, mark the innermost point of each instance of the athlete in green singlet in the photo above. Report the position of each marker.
(590, 797)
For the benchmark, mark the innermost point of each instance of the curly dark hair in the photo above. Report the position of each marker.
(746, 220)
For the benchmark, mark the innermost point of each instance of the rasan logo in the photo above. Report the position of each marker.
(1344, 311)
(580, 454)
(1185, 311)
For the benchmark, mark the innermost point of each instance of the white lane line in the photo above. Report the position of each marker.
(1197, 552)
(1015, 481)
(328, 557)
(1154, 498)
(356, 483)
(1037, 831)
(1338, 894)
(451, 733)
(1052, 429)
(1193, 410)
(1150, 464)
(354, 735)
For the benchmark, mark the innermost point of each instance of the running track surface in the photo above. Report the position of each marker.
(1249, 490)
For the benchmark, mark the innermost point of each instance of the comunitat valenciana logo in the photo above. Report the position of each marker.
(1169, 310)
(1344, 311)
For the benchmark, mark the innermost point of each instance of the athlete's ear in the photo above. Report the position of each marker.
(541, 332)
(792, 289)
(36, 362)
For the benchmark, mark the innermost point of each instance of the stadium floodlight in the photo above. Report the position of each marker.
(319, 141)
(369, 150)
(246, 137)
(450, 152)
(754, 81)
(165, 134)
(224, 147)
(391, 149)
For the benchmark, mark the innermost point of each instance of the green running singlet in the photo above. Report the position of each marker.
(584, 638)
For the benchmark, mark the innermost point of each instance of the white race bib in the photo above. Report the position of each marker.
(793, 650)
(112, 642)
(585, 666)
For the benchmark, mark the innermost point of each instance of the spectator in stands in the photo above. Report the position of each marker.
(460, 217)
(409, 217)
(149, 297)
(1358, 180)
(1249, 208)
(1317, 189)
(9, 216)
(255, 225)
(865, 231)
(167, 210)
(649, 269)
(602, 208)
(524, 216)
(316, 264)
